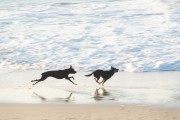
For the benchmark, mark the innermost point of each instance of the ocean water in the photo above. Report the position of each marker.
(132, 35)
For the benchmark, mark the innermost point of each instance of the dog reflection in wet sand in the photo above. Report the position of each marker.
(102, 94)
(67, 99)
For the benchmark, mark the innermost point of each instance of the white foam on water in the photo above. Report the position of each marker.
(132, 35)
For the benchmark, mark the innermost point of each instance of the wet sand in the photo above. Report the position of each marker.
(154, 88)
(85, 112)
(127, 96)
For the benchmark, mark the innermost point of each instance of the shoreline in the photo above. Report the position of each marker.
(86, 112)
(127, 96)
(158, 88)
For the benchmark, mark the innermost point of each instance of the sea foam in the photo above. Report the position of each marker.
(132, 35)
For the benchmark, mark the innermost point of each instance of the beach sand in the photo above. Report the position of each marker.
(85, 112)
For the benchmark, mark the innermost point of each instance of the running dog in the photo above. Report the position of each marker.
(104, 74)
(60, 74)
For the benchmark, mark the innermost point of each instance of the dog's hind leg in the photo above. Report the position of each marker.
(104, 80)
(97, 78)
(34, 80)
(43, 77)
(101, 82)
(98, 82)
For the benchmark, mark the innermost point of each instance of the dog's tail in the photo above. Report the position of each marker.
(89, 74)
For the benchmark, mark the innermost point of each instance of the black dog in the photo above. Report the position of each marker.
(104, 74)
(60, 74)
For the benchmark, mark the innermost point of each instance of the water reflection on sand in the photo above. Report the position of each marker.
(99, 94)
(59, 99)
(123, 88)
(102, 94)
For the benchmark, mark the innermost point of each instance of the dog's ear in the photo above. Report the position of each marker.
(111, 67)
(70, 66)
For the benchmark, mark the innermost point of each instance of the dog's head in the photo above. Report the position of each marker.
(71, 70)
(114, 69)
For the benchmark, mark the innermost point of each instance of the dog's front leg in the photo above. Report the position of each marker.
(68, 78)
(72, 77)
